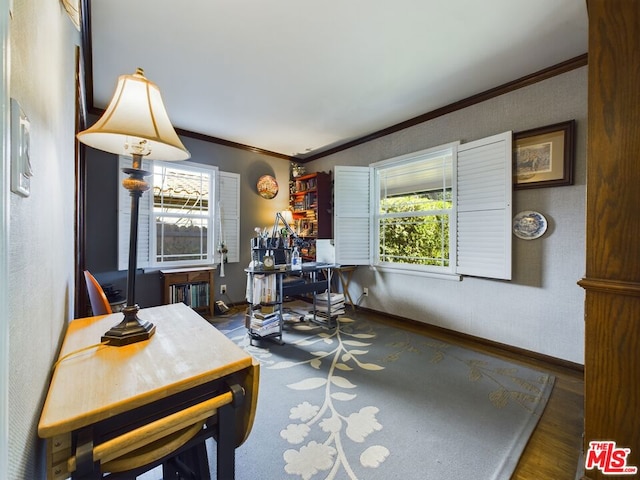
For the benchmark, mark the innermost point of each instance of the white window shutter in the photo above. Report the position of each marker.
(229, 188)
(352, 219)
(124, 220)
(484, 207)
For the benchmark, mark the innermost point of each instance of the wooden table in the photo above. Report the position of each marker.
(129, 409)
(345, 272)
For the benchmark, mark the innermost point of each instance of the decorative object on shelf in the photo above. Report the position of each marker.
(297, 170)
(529, 225)
(21, 171)
(267, 187)
(296, 264)
(135, 124)
(543, 157)
(268, 262)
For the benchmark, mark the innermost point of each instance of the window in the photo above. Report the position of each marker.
(445, 210)
(414, 207)
(181, 219)
(182, 213)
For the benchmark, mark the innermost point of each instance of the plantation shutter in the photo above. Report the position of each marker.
(484, 207)
(352, 219)
(229, 188)
(124, 219)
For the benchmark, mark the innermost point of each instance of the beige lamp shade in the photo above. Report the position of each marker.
(136, 122)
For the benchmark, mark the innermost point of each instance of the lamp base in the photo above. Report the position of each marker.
(130, 330)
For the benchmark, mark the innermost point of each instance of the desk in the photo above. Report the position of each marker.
(131, 408)
(272, 296)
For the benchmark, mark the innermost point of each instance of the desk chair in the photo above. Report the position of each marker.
(97, 298)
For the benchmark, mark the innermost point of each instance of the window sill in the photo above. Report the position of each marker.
(454, 277)
(157, 268)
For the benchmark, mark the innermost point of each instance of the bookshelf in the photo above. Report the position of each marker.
(192, 286)
(310, 203)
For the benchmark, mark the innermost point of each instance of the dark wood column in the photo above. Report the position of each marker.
(612, 279)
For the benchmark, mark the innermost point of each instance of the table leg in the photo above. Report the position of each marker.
(344, 281)
(226, 439)
(226, 462)
(192, 463)
(86, 468)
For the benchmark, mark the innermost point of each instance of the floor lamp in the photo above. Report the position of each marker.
(135, 124)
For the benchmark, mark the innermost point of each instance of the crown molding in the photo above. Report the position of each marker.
(572, 64)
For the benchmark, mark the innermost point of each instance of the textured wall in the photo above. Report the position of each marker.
(541, 309)
(42, 48)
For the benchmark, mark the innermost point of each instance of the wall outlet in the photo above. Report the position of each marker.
(365, 291)
(223, 289)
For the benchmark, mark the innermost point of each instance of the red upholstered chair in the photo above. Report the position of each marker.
(99, 302)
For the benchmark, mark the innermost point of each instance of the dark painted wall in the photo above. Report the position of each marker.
(102, 216)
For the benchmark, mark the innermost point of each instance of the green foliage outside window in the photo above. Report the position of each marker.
(421, 235)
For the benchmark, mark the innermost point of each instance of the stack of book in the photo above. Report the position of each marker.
(329, 306)
(264, 324)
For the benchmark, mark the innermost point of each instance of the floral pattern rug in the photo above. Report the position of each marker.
(369, 401)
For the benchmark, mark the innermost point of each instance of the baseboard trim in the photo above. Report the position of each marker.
(511, 351)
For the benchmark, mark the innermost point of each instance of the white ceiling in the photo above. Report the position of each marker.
(299, 76)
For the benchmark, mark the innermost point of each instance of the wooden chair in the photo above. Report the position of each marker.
(99, 302)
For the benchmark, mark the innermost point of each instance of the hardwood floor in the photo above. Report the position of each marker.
(554, 450)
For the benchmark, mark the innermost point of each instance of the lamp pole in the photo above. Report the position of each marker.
(132, 329)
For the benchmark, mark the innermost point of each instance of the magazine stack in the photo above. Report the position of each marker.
(329, 306)
(263, 324)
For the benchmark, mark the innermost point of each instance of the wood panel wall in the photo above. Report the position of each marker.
(612, 278)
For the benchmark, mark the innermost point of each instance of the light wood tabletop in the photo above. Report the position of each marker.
(92, 383)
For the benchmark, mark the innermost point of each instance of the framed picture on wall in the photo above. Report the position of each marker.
(544, 157)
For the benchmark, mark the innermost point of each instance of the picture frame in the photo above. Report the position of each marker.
(544, 156)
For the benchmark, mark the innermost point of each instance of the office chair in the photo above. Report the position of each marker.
(99, 302)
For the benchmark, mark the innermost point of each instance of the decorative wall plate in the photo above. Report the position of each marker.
(529, 225)
(267, 186)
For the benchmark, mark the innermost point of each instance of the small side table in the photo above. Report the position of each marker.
(345, 272)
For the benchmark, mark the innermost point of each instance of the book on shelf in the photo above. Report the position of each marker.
(266, 330)
(260, 315)
(195, 295)
(325, 298)
(264, 323)
(326, 316)
(337, 309)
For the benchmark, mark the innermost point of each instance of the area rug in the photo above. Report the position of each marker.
(368, 401)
